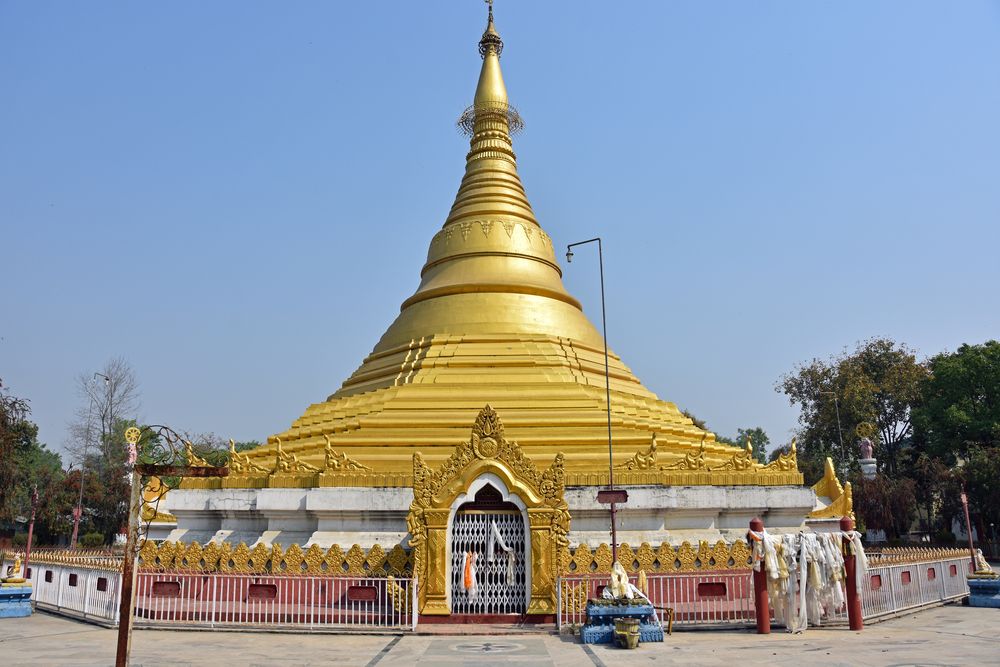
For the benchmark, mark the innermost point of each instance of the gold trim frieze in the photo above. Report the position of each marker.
(663, 559)
(273, 560)
(447, 235)
(677, 474)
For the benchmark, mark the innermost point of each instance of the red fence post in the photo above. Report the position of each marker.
(760, 600)
(854, 613)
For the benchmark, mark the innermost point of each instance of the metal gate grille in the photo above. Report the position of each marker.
(494, 595)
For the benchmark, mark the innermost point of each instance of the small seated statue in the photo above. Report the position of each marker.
(13, 572)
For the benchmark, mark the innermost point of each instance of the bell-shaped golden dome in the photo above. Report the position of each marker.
(491, 322)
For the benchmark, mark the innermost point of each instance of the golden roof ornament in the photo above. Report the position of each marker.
(490, 102)
(339, 460)
(491, 42)
(193, 459)
(290, 463)
(242, 464)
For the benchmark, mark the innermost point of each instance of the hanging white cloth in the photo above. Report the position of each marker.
(764, 553)
(813, 590)
(495, 539)
(800, 619)
(860, 559)
(469, 575)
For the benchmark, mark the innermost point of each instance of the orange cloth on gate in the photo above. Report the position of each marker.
(467, 575)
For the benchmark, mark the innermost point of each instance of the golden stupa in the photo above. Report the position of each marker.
(491, 323)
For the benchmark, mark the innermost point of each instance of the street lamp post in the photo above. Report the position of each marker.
(607, 389)
(31, 530)
(78, 510)
(106, 426)
(840, 435)
(968, 527)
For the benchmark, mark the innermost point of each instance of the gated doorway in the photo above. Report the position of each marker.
(481, 529)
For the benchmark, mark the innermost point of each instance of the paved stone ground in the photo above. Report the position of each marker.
(950, 635)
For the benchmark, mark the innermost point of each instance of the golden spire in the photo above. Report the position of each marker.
(491, 322)
(490, 242)
(490, 90)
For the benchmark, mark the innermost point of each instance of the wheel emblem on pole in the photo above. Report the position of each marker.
(132, 435)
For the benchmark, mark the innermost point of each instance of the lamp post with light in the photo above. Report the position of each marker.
(78, 510)
(840, 435)
(611, 495)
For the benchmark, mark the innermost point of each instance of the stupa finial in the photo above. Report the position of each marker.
(491, 93)
(491, 41)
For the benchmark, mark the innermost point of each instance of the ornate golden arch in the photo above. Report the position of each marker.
(434, 491)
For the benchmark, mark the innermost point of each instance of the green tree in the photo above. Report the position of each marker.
(957, 422)
(872, 390)
(982, 482)
(242, 446)
(106, 492)
(960, 406)
(38, 467)
(938, 486)
(13, 415)
(884, 503)
(758, 439)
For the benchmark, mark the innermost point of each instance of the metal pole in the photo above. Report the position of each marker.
(125, 605)
(31, 529)
(78, 512)
(968, 527)
(607, 386)
(840, 435)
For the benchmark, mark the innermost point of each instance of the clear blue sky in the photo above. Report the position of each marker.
(236, 196)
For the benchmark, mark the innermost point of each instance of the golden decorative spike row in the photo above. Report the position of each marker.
(660, 560)
(375, 562)
(905, 555)
(89, 559)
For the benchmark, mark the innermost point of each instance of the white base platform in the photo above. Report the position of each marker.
(348, 516)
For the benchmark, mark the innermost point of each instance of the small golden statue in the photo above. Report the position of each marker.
(13, 571)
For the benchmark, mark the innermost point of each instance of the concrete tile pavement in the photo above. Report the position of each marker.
(950, 635)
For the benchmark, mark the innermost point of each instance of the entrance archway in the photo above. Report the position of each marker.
(484, 520)
(488, 458)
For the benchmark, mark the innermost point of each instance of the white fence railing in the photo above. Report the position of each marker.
(895, 589)
(86, 592)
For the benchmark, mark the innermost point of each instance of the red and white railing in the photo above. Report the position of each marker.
(716, 598)
(227, 600)
(264, 601)
(725, 598)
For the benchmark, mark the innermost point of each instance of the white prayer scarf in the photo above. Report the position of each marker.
(496, 539)
(860, 559)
